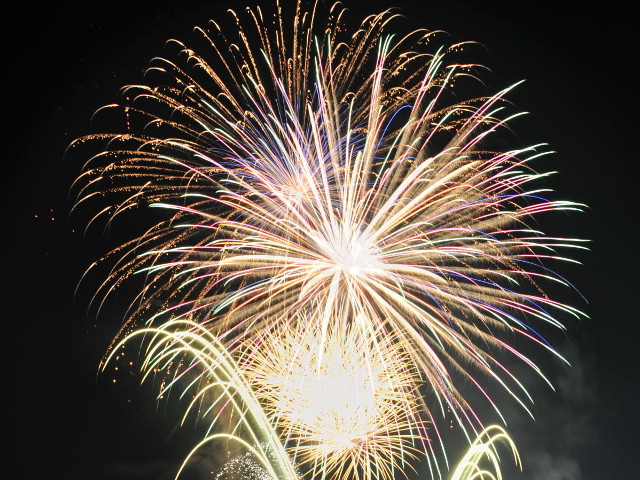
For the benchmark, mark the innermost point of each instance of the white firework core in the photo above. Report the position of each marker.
(336, 395)
(348, 249)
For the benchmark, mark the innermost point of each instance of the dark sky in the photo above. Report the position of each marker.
(63, 61)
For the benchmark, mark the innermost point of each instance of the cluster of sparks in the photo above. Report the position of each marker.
(343, 403)
(339, 246)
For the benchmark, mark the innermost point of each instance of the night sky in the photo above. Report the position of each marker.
(63, 61)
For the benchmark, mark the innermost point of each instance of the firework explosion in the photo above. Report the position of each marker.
(343, 403)
(339, 244)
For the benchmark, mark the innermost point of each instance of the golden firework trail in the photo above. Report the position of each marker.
(319, 189)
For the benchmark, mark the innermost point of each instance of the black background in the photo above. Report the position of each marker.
(62, 61)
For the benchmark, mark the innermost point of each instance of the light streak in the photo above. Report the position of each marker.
(483, 451)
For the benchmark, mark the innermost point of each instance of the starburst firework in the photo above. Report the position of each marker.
(345, 403)
(323, 191)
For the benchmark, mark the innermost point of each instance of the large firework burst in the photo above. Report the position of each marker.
(320, 186)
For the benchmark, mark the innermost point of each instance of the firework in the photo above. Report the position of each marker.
(483, 448)
(319, 190)
(243, 468)
(343, 403)
(189, 351)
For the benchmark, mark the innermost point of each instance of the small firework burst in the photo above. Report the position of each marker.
(344, 401)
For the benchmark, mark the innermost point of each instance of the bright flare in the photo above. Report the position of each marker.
(344, 403)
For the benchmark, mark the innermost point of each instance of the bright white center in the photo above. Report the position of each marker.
(328, 393)
(349, 250)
